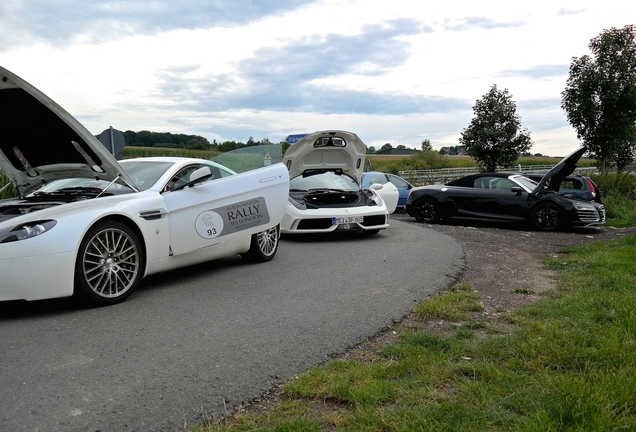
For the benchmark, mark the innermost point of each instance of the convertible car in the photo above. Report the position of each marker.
(508, 197)
(87, 225)
(325, 193)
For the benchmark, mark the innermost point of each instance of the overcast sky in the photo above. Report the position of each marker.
(392, 71)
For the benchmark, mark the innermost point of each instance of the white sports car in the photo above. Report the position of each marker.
(325, 194)
(85, 224)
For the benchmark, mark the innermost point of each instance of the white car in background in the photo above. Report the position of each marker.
(324, 191)
(87, 225)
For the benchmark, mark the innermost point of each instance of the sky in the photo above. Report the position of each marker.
(391, 71)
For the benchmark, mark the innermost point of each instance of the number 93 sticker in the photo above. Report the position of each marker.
(209, 224)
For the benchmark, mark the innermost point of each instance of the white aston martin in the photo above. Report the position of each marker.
(88, 225)
(324, 191)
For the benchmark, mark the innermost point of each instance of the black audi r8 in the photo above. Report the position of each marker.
(509, 198)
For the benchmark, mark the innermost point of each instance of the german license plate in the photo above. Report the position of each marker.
(347, 219)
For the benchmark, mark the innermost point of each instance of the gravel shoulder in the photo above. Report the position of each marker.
(500, 262)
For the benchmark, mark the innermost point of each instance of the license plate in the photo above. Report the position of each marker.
(347, 219)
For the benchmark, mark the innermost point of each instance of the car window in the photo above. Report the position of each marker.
(250, 158)
(325, 180)
(182, 177)
(502, 184)
(398, 182)
(572, 184)
(369, 179)
(482, 182)
(494, 183)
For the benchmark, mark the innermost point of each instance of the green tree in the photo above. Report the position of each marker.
(600, 97)
(371, 150)
(494, 136)
(386, 146)
(426, 145)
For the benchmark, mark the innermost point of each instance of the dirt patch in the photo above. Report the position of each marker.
(505, 264)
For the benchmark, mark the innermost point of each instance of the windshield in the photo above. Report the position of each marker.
(145, 173)
(528, 184)
(324, 180)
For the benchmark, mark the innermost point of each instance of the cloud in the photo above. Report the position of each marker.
(60, 22)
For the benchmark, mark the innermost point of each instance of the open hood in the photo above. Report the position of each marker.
(552, 180)
(41, 142)
(331, 150)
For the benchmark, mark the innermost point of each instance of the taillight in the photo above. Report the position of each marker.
(591, 185)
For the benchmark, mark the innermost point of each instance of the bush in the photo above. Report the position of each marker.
(620, 185)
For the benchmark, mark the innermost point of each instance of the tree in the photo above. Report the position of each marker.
(386, 146)
(426, 145)
(600, 97)
(494, 136)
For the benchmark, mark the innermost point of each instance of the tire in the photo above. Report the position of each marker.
(547, 216)
(109, 264)
(426, 210)
(263, 246)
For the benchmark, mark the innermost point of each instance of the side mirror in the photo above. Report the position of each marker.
(516, 190)
(376, 186)
(197, 176)
(200, 175)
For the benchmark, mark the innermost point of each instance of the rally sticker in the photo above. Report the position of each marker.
(232, 218)
(209, 224)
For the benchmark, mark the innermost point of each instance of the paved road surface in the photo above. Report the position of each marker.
(196, 342)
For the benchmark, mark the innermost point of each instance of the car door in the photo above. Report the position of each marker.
(226, 208)
(404, 188)
(491, 198)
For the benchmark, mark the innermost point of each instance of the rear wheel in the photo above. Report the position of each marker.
(109, 264)
(547, 216)
(426, 210)
(263, 245)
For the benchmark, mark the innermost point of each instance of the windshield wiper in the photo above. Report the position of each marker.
(326, 190)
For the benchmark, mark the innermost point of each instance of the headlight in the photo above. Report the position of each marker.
(297, 204)
(25, 231)
(583, 206)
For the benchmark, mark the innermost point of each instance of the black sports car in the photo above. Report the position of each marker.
(508, 197)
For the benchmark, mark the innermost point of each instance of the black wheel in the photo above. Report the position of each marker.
(547, 216)
(109, 264)
(263, 246)
(426, 210)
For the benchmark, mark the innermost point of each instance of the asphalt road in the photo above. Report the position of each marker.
(197, 342)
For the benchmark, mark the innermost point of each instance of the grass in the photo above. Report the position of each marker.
(568, 365)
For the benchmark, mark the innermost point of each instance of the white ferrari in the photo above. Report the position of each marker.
(325, 193)
(88, 225)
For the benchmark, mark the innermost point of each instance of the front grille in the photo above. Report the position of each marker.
(374, 220)
(310, 224)
(590, 215)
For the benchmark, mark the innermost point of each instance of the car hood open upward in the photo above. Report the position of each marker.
(41, 142)
(560, 171)
(332, 149)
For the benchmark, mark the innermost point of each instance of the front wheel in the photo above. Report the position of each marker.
(426, 210)
(263, 245)
(109, 264)
(547, 216)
